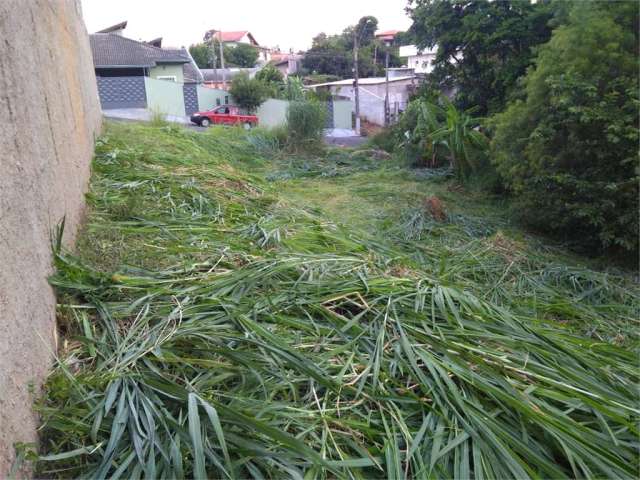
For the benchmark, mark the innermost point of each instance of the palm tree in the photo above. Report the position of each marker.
(443, 126)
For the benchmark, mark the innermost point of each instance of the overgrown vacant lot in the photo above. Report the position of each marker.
(234, 312)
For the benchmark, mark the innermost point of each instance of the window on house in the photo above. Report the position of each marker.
(170, 78)
(217, 101)
(226, 99)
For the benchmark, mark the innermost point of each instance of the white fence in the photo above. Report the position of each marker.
(165, 97)
(168, 98)
(273, 113)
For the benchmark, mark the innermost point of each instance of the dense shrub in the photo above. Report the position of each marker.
(269, 74)
(293, 89)
(305, 123)
(241, 55)
(319, 94)
(438, 134)
(569, 150)
(386, 139)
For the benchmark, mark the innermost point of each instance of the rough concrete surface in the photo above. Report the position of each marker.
(49, 117)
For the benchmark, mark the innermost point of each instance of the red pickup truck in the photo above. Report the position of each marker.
(224, 115)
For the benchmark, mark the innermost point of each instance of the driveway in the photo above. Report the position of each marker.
(140, 114)
(343, 137)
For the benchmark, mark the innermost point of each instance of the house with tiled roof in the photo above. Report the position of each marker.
(387, 35)
(116, 55)
(137, 74)
(236, 37)
(287, 63)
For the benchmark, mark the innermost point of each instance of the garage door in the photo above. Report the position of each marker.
(122, 92)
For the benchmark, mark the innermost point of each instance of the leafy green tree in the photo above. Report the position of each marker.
(206, 55)
(333, 54)
(569, 149)
(241, 55)
(201, 54)
(270, 74)
(483, 46)
(249, 93)
(366, 30)
(328, 56)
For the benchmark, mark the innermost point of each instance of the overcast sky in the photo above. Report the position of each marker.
(283, 23)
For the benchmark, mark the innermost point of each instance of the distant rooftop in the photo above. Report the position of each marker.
(387, 34)
(279, 58)
(114, 28)
(234, 36)
(112, 50)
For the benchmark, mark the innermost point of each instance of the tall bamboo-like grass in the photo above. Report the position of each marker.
(240, 336)
(305, 123)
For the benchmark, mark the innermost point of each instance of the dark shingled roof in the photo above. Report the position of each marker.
(111, 50)
(114, 28)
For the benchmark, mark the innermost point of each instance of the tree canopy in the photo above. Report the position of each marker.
(241, 55)
(206, 55)
(333, 54)
(483, 46)
(248, 93)
(270, 74)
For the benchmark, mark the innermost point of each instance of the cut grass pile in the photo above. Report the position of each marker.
(221, 325)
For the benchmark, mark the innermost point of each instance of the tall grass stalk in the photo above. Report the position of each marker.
(238, 335)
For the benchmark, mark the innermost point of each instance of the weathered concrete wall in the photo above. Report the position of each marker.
(372, 98)
(165, 97)
(273, 113)
(49, 117)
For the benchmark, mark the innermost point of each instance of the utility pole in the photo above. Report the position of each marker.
(224, 75)
(386, 88)
(355, 80)
(212, 56)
